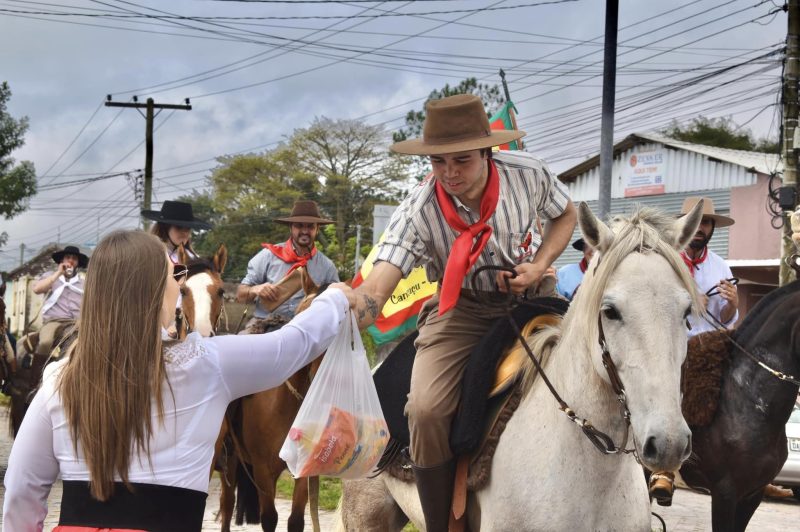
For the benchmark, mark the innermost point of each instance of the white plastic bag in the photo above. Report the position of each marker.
(340, 430)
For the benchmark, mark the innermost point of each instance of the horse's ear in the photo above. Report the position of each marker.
(686, 226)
(221, 258)
(596, 233)
(309, 287)
(183, 257)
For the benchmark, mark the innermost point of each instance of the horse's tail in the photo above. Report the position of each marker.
(246, 496)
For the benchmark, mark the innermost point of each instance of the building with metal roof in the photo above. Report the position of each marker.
(654, 170)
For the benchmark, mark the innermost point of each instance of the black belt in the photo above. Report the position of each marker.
(148, 507)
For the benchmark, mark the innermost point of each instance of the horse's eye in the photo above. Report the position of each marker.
(221, 292)
(611, 313)
(686, 318)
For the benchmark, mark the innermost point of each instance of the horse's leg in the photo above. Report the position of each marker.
(227, 494)
(367, 505)
(723, 507)
(299, 501)
(265, 479)
(746, 508)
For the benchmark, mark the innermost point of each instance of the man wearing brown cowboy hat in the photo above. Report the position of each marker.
(479, 209)
(275, 261)
(712, 275)
(62, 305)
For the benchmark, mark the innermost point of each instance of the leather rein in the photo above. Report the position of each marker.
(602, 441)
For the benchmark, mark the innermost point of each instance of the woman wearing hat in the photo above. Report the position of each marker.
(174, 224)
(479, 210)
(129, 422)
(275, 261)
(64, 289)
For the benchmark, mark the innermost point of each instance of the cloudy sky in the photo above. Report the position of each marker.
(254, 71)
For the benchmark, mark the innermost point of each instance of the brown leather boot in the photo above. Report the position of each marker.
(662, 484)
(435, 488)
(777, 492)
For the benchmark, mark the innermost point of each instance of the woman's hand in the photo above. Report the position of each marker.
(347, 291)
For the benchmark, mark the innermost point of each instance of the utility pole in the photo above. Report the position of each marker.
(607, 118)
(150, 106)
(358, 248)
(21, 255)
(788, 192)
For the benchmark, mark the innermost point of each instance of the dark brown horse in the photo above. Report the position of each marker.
(744, 447)
(260, 423)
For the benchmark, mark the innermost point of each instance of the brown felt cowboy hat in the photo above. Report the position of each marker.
(304, 212)
(708, 210)
(58, 256)
(177, 213)
(454, 124)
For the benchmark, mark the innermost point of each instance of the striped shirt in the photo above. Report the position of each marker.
(419, 235)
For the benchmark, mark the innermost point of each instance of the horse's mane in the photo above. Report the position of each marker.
(646, 230)
(754, 319)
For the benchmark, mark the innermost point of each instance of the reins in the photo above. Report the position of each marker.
(721, 327)
(602, 441)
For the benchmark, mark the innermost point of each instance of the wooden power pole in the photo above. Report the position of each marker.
(788, 192)
(150, 106)
(607, 117)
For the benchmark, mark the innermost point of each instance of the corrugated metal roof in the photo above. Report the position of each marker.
(670, 203)
(684, 160)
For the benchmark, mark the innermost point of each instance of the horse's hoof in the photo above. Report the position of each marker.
(777, 492)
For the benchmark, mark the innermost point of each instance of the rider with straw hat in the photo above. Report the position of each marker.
(480, 209)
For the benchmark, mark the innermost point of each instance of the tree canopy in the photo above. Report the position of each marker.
(720, 132)
(343, 165)
(17, 181)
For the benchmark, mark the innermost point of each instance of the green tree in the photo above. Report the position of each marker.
(491, 95)
(351, 161)
(719, 132)
(17, 182)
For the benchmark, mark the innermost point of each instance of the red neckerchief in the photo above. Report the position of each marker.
(693, 263)
(287, 254)
(466, 249)
(584, 264)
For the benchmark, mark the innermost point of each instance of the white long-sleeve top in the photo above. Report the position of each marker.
(707, 275)
(205, 375)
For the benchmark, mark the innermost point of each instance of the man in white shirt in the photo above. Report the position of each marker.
(712, 275)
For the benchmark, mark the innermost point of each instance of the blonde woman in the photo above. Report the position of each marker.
(129, 422)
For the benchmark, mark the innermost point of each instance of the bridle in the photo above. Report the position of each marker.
(721, 327)
(602, 441)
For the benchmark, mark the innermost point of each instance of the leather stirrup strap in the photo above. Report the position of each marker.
(457, 515)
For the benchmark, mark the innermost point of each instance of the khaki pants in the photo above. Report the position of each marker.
(51, 334)
(443, 347)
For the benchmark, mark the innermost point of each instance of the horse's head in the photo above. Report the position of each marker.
(635, 298)
(203, 293)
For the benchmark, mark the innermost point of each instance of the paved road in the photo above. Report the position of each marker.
(690, 511)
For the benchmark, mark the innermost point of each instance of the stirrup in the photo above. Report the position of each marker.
(661, 489)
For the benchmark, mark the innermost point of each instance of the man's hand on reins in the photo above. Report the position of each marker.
(267, 291)
(527, 275)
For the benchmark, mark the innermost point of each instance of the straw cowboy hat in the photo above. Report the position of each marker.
(708, 210)
(454, 124)
(177, 213)
(304, 212)
(58, 256)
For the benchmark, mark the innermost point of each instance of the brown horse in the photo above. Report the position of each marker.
(202, 295)
(743, 448)
(260, 423)
(8, 361)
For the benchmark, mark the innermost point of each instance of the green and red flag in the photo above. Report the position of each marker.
(504, 119)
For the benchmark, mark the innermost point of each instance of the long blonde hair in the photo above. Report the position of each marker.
(116, 370)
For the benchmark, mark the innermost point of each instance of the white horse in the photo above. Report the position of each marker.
(546, 474)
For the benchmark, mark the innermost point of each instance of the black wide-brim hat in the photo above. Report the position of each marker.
(58, 256)
(304, 212)
(579, 244)
(177, 213)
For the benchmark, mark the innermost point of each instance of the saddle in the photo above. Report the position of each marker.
(701, 376)
(490, 394)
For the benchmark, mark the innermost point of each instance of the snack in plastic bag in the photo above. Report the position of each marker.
(340, 430)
